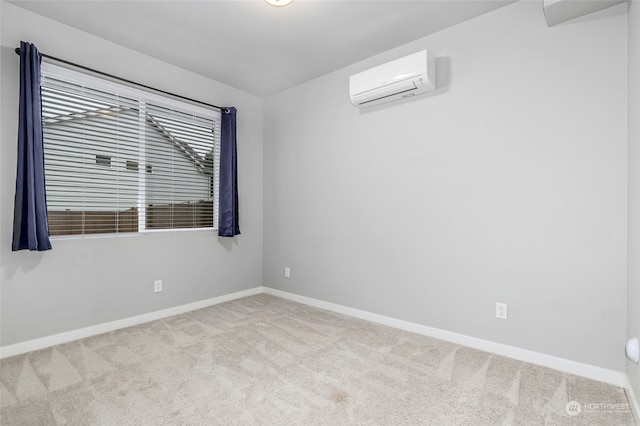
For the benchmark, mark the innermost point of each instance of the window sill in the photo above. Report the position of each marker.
(134, 234)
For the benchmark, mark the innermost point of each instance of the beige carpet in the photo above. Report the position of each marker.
(263, 360)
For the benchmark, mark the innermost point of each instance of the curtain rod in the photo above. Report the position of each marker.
(222, 109)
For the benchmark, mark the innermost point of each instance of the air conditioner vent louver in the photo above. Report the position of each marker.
(404, 77)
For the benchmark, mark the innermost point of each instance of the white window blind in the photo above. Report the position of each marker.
(121, 160)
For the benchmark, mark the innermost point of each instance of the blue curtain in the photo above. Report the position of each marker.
(30, 227)
(228, 225)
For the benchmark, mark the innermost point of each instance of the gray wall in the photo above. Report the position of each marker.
(633, 294)
(86, 282)
(509, 184)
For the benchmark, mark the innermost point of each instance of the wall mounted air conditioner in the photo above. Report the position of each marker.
(559, 11)
(395, 80)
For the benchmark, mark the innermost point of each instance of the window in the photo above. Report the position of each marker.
(121, 160)
(132, 165)
(103, 160)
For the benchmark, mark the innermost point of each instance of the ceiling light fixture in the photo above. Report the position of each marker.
(279, 3)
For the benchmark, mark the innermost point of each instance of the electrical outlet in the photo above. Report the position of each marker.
(501, 311)
(157, 286)
(287, 272)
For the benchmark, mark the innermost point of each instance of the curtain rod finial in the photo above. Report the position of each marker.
(17, 50)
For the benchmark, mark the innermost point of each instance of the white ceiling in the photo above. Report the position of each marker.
(256, 47)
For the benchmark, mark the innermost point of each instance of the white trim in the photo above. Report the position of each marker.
(616, 378)
(57, 339)
(633, 400)
(613, 377)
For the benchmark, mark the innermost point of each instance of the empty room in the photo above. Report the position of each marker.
(319, 212)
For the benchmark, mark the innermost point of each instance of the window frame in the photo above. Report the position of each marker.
(142, 97)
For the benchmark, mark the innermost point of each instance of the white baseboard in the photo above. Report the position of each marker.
(633, 399)
(69, 336)
(613, 377)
